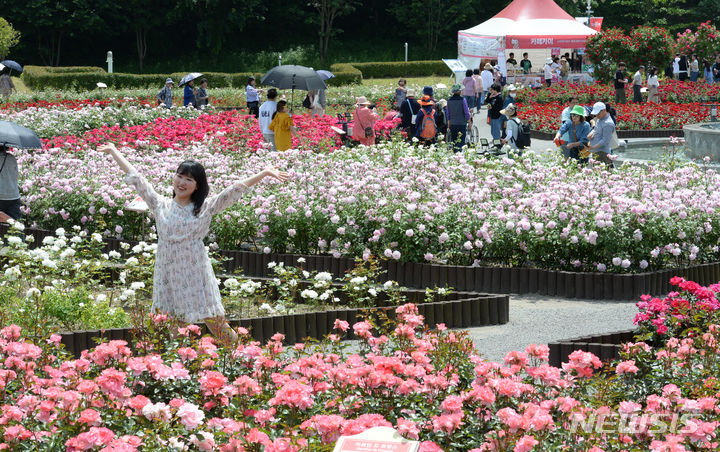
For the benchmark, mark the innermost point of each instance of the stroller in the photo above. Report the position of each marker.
(482, 145)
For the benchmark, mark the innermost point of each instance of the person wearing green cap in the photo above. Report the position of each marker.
(458, 115)
(577, 130)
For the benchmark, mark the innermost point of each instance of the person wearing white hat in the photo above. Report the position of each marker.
(364, 121)
(488, 78)
(164, 97)
(601, 134)
(408, 113)
(548, 70)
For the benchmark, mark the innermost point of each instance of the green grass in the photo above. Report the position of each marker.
(20, 86)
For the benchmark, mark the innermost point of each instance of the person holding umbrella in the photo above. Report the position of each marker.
(189, 94)
(9, 188)
(12, 136)
(7, 87)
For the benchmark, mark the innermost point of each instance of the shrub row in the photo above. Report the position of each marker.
(402, 69)
(87, 77)
(345, 74)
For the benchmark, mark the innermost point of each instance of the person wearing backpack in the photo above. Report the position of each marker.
(577, 130)
(518, 133)
(426, 123)
(408, 113)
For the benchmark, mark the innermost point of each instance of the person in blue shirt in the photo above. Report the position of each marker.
(577, 130)
(189, 94)
(601, 135)
(253, 97)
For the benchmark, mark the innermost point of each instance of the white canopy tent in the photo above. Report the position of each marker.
(524, 24)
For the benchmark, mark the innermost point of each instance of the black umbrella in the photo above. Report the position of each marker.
(12, 65)
(190, 77)
(293, 77)
(15, 136)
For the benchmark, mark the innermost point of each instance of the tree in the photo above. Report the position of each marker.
(52, 21)
(219, 20)
(327, 12)
(629, 13)
(439, 18)
(8, 37)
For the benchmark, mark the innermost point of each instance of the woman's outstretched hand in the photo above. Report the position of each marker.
(107, 148)
(276, 173)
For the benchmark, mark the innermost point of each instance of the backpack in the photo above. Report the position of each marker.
(523, 139)
(306, 102)
(428, 128)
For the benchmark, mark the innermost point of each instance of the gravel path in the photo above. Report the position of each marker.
(542, 319)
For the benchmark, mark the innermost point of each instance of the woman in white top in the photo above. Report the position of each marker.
(653, 84)
(184, 284)
(548, 69)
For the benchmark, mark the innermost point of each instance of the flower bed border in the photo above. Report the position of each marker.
(655, 133)
(456, 310)
(503, 280)
(497, 280)
(605, 346)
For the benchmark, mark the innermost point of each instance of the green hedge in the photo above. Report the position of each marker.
(345, 74)
(86, 78)
(402, 69)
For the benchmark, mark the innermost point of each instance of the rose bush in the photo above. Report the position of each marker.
(670, 91)
(545, 117)
(407, 203)
(185, 393)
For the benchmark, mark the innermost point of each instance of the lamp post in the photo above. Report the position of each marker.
(109, 61)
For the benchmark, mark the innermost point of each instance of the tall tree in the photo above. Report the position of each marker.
(220, 20)
(327, 12)
(438, 18)
(54, 21)
(9, 37)
(142, 18)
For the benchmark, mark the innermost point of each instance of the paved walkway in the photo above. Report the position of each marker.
(542, 319)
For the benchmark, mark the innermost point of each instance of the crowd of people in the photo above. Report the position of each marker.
(194, 96)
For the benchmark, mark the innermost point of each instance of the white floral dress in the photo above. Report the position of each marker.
(184, 283)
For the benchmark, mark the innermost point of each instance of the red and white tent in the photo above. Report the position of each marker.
(524, 24)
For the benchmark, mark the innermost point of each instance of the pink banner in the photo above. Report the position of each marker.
(546, 42)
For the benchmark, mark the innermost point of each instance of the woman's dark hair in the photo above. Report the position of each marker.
(652, 71)
(496, 87)
(250, 79)
(582, 118)
(281, 106)
(195, 170)
(476, 71)
(468, 73)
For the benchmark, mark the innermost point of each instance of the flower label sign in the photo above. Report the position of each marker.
(376, 439)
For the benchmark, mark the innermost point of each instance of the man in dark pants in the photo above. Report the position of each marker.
(620, 82)
(458, 115)
(9, 189)
(637, 84)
